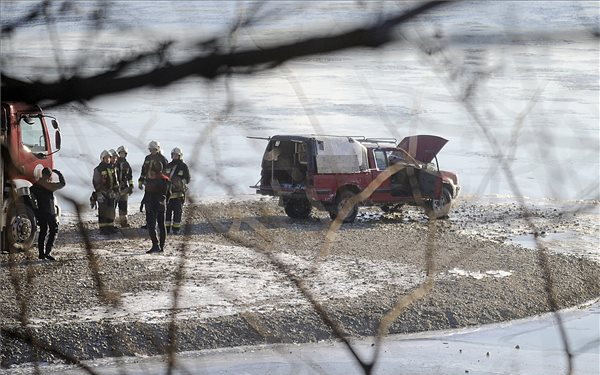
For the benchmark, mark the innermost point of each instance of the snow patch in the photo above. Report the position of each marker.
(228, 280)
(478, 275)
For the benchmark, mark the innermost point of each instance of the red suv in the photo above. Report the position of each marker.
(325, 172)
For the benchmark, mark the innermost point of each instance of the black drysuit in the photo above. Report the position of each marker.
(43, 191)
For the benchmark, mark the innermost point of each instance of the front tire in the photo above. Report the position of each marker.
(298, 208)
(20, 227)
(340, 201)
(439, 208)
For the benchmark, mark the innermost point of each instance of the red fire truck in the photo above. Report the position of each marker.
(26, 150)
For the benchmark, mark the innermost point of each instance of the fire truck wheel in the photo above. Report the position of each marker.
(340, 200)
(439, 208)
(20, 227)
(298, 208)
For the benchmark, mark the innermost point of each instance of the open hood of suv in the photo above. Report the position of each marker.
(422, 147)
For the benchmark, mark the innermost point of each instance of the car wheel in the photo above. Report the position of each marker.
(340, 200)
(20, 227)
(298, 208)
(439, 208)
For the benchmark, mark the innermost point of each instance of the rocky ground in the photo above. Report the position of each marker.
(244, 273)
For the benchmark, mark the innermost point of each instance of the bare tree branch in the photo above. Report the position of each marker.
(208, 66)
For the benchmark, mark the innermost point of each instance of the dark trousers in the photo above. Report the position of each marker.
(122, 204)
(174, 210)
(155, 215)
(48, 226)
(106, 213)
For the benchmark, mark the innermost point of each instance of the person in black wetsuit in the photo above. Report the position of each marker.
(43, 191)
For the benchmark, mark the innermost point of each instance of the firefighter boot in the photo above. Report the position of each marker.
(47, 255)
(123, 221)
(154, 249)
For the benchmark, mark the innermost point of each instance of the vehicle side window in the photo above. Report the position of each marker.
(380, 159)
(32, 134)
(301, 152)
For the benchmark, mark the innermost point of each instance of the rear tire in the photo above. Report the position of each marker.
(298, 208)
(439, 208)
(340, 201)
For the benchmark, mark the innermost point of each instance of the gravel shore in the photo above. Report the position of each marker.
(237, 269)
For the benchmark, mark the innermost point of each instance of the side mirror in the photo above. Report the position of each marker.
(28, 120)
(55, 124)
(57, 138)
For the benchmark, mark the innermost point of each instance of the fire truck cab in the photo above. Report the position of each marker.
(26, 149)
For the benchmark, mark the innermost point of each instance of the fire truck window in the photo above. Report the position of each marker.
(32, 134)
(4, 120)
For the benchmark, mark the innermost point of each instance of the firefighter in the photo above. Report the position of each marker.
(154, 155)
(155, 199)
(113, 156)
(106, 188)
(179, 176)
(125, 180)
(43, 190)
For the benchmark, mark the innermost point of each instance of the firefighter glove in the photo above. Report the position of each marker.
(140, 185)
(130, 190)
(93, 202)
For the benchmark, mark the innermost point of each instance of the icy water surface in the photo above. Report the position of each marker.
(538, 99)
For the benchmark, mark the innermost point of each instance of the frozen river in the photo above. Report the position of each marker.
(536, 99)
(528, 347)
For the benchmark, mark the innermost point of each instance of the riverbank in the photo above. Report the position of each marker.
(233, 292)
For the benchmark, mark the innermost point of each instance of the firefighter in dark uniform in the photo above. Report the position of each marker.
(106, 188)
(43, 191)
(179, 174)
(155, 197)
(125, 179)
(155, 155)
(113, 156)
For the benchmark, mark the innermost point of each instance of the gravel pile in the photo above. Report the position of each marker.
(236, 289)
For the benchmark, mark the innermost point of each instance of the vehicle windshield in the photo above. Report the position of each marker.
(32, 134)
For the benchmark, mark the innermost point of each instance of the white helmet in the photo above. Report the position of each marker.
(121, 149)
(104, 154)
(177, 151)
(112, 152)
(154, 145)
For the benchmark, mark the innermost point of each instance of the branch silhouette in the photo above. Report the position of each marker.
(209, 66)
